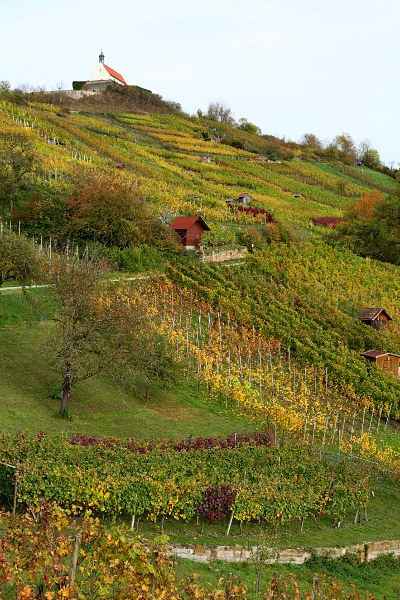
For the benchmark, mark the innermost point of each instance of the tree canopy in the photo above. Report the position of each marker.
(371, 226)
(19, 259)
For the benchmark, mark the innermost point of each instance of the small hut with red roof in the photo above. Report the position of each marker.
(102, 76)
(190, 230)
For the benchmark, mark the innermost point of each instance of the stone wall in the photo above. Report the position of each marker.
(223, 255)
(365, 552)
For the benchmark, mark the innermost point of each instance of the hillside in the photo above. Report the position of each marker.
(268, 342)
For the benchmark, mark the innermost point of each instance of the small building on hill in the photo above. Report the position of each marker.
(387, 361)
(190, 230)
(374, 317)
(102, 76)
(244, 198)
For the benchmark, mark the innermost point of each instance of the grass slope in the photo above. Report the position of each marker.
(100, 406)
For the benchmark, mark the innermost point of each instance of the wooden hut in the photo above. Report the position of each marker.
(190, 230)
(388, 362)
(374, 317)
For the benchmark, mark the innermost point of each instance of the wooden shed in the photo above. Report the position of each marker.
(374, 317)
(190, 230)
(388, 362)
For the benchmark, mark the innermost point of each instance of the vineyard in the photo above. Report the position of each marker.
(273, 341)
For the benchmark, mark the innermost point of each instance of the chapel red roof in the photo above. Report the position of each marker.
(188, 222)
(114, 74)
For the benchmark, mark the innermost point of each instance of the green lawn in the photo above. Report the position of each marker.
(100, 406)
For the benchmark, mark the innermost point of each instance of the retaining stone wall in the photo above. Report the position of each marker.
(365, 552)
(223, 255)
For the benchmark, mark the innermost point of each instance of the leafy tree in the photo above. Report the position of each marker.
(16, 160)
(102, 326)
(245, 125)
(371, 226)
(343, 148)
(19, 259)
(5, 87)
(102, 209)
(311, 140)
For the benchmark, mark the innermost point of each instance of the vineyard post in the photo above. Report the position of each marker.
(342, 434)
(325, 429)
(388, 415)
(305, 429)
(249, 365)
(288, 351)
(200, 329)
(379, 419)
(352, 427)
(370, 421)
(230, 523)
(362, 424)
(313, 432)
(326, 380)
(228, 378)
(74, 559)
(260, 367)
(334, 428)
(187, 341)
(272, 370)
(14, 510)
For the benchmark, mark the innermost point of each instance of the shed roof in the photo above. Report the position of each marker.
(370, 314)
(188, 222)
(378, 353)
(115, 74)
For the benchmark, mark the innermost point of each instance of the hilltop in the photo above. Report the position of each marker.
(268, 341)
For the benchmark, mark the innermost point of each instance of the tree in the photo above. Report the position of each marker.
(311, 140)
(101, 326)
(101, 208)
(343, 148)
(245, 125)
(217, 111)
(19, 259)
(371, 226)
(16, 160)
(368, 155)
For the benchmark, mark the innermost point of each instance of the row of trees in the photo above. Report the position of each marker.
(344, 148)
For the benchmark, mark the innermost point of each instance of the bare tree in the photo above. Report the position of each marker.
(217, 111)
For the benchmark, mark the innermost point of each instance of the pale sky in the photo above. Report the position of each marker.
(290, 66)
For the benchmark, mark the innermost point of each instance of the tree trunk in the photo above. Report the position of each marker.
(147, 391)
(66, 390)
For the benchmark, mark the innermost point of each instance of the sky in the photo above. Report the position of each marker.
(289, 66)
